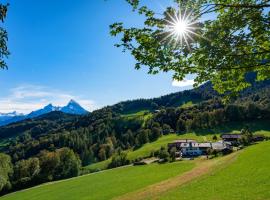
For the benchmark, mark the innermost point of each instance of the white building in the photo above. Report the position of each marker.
(196, 149)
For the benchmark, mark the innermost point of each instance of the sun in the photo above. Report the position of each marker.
(180, 27)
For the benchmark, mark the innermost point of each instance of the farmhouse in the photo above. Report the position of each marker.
(189, 147)
(204, 146)
(177, 143)
(194, 148)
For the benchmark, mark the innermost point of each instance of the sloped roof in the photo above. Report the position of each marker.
(184, 141)
(233, 136)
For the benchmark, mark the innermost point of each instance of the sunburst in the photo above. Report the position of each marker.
(180, 27)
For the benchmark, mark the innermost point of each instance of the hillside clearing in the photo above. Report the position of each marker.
(146, 149)
(258, 127)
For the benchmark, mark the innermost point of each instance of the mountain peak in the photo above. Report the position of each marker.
(48, 106)
(73, 107)
(72, 101)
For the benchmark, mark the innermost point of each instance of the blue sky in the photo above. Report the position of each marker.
(61, 49)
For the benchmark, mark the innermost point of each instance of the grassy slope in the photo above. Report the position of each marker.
(248, 175)
(163, 141)
(104, 185)
(146, 149)
(187, 104)
(259, 127)
(247, 178)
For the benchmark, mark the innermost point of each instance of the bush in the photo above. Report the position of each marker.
(164, 155)
(173, 153)
(119, 159)
(213, 152)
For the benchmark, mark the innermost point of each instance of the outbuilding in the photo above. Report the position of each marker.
(231, 137)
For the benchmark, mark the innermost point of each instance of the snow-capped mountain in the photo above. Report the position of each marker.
(45, 110)
(7, 116)
(71, 108)
(10, 114)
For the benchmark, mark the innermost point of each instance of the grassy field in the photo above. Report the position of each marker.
(104, 185)
(259, 127)
(241, 175)
(146, 149)
(247, 178)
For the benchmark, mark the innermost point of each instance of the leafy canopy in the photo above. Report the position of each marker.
(230, 39)
(3, 37)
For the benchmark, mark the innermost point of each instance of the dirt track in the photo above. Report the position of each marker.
(202, 167)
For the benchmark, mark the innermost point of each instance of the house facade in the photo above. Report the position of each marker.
(192, 148)
(177, 143)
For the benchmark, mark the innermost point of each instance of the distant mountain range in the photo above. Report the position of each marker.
(8, 116)
(71, 108)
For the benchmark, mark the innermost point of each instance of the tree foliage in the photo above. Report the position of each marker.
(231, 39)
(25, 171)
(6, 169)
(119, 159)
(4, 53)
(46, 166)
(164, 155)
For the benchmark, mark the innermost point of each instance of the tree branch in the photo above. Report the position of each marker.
(254, 6)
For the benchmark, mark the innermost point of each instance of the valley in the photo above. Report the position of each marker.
(76, 123)
(57, 145)
(180, 180)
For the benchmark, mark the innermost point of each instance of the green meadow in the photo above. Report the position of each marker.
(103, 185)
(258, 127)
(146, 149)
(248, 178)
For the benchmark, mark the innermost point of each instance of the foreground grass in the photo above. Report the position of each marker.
(104, 185)
(203, 166)
(247, 178)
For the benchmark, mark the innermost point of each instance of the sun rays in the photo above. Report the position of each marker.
(180, 27)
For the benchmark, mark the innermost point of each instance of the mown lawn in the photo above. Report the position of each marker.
(248, 178)
(104, 185)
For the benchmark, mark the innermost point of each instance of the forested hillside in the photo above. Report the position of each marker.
(55, 145)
